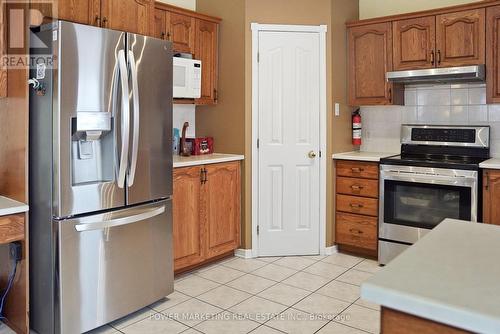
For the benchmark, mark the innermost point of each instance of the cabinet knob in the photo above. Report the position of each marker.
(439, 57)
(355, 205)
(104, 21)
(356, 169)
(432, 57)
(356, 187)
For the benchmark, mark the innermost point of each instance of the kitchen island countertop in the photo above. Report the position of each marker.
(9, 206)
(196, 160)
(362, 156)
(450, 276)
(493, 163)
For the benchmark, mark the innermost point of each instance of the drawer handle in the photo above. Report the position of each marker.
(356, 187)
(355, 205)
(355, 231)
(357, 170)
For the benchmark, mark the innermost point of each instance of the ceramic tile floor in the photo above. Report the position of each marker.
(309, 294)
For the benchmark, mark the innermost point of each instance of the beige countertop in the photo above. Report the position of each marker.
(450, 276)
(493, 163)
(362, 156)
(9, 206)
(196, 160)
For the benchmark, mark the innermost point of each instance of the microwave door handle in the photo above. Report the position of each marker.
(135, 133)
(120, 221)
(125, 118)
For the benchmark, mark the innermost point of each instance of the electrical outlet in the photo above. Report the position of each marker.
(337, 109)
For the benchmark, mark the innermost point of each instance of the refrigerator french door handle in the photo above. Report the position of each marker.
(125, 118)
(120, 221)
(135, 133)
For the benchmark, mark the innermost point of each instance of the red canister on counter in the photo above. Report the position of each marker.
(201, 146)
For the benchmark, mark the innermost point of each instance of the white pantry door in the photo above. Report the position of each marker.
(289, 143)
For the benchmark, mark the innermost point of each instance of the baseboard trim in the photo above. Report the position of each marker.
(331, 250)
(243, 253)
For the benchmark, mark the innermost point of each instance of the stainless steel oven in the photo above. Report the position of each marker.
(437, 176)
(416, 199)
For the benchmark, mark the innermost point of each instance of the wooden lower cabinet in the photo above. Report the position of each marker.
(206, 213)
(356, 219)
(396, 322)
(188, 230)
(491, 197)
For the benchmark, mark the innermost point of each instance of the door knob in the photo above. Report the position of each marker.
(312, 154)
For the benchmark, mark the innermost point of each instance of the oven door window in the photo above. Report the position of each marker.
(424, 205)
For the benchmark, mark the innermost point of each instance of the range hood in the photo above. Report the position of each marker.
(474, 73)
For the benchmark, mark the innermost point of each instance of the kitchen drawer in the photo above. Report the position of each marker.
(356, 230)
(357, 187)
(364, 170)
(11, 228)
(359, 205)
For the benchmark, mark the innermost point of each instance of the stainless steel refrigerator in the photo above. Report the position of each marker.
(100, 176)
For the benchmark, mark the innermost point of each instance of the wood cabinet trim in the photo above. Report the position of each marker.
(413, 15)
(12, 228)
(493, 54)
(183, 11)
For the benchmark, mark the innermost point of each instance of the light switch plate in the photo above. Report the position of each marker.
(337, 109)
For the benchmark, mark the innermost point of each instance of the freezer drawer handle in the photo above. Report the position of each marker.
(121, 221)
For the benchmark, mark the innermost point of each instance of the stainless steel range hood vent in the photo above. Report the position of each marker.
(474, 73)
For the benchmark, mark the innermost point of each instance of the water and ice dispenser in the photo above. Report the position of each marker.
(92, 148)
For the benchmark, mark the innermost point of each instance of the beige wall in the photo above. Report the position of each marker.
(188, 4)
(230, 120)
(376, 8)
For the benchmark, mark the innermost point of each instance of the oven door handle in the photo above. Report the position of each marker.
(429, 179)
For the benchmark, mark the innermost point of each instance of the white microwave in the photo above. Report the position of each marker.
(187, 78)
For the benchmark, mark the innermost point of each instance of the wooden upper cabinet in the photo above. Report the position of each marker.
(460, 38)
(491, 197)
(160, 24)
(493, 54)
(188, 228)
(181, 32)
(223, 196)
(370, 57)
(135, 16)
(414, 42)
(206, 51)
(80, 11)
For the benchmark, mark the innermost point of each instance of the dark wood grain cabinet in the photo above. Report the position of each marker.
(206, 213)
(493, 54)
(491, 197)
(370, 58)
(414, 43)
(196, 34)
(356, 218)
(460, 38)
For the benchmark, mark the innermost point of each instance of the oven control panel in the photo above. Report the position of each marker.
(443, 135)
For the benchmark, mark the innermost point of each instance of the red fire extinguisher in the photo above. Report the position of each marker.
(356, 128)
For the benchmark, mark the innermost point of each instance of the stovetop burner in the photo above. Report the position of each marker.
(453, 147)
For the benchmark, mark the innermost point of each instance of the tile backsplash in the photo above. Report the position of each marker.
(458, 104)
(185, 113)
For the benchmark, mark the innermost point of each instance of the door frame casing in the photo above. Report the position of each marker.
(321, 31)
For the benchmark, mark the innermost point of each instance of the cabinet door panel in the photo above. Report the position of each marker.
(206, 51)
(493, 54)
(414, 42)
(135, 16)
(188, 229)
(160, 24)
(460, 38)
(370, 58)
(222, 203)
(491, 197)
(182, 32)
(79, 11)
